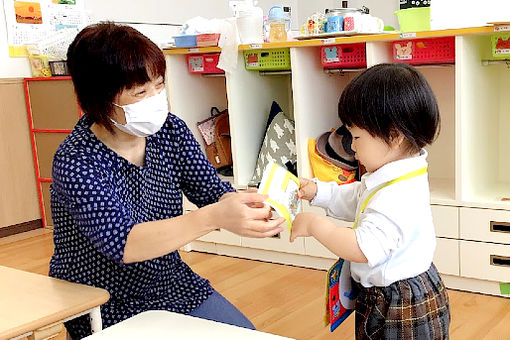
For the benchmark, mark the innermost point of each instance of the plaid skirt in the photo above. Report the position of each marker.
(410, 309)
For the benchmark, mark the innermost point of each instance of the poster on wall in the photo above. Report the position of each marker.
(41, 22)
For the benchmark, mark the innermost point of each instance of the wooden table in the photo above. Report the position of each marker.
(157, 324)
(36, 306)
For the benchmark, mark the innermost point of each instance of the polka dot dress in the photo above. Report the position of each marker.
(98, 196)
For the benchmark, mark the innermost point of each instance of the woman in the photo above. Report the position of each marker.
(118, 180)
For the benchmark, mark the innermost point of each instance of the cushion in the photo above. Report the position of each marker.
(279, 146)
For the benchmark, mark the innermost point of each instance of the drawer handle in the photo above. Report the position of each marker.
(500, 227)
(502, 261)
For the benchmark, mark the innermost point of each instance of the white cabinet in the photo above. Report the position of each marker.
(446, 221)
(485, 225)
(469, 163)
(446, 257)
(485, 261)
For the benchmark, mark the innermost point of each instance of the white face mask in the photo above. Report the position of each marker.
(146, 117)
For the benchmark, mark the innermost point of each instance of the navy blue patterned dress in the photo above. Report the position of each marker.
(98, 196)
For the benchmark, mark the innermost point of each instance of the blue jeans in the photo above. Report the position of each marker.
(217, 308)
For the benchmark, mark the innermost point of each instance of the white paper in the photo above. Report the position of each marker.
(29, 22)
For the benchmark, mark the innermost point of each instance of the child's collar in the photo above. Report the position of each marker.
(394, 169)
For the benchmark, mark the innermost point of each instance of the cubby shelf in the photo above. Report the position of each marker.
(469, 166)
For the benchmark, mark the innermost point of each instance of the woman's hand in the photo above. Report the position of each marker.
(308, 189)
(246, 214)
(302, 225)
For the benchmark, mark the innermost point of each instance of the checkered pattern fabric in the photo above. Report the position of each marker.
(410, 309)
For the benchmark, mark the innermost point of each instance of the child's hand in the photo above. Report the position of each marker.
(302, 225)
(308, 189)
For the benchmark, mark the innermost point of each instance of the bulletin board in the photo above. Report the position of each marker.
(33, 21)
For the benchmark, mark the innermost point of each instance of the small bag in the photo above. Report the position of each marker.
(215, 131)
(222, 137)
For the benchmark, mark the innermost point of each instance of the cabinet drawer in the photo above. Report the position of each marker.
(486, 261)
(446, 257)
(446, 221)
(485, 225)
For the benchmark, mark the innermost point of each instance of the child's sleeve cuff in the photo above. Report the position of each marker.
(323, 195)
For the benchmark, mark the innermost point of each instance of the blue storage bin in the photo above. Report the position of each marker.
(185, 40)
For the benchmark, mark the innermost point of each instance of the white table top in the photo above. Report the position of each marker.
(168, 325)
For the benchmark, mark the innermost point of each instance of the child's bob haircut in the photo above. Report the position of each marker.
(391, 99)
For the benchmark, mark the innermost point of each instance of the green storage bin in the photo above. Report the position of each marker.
(500, 43)
(277, 59)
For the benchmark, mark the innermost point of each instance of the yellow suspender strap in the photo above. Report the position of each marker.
(409, 175)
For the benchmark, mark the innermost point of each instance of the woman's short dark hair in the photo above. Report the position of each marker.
(106, 58)
(388, 99)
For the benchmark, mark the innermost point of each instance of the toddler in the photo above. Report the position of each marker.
(392, 113)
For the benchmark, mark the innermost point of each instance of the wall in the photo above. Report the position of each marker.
(176, 12)
(147, 11)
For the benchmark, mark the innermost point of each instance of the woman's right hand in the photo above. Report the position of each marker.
(245, 214)
(307, 189)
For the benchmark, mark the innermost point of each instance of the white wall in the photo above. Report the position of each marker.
(178, 11)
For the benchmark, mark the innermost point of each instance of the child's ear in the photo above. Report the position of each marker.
(396, 140)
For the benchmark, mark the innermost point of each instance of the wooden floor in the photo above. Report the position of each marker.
(280, 299)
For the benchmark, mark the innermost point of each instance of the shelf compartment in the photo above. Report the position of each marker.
(250, 97)
(441, 153)
(483, 127)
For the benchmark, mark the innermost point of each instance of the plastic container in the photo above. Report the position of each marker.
(250, 22)
(204, 63)
(185, 40)
(425, 51)
(277, 22)
(414, 19)
(500, 43)
(277, 59)
(208, 39)
(344, 56)
(335, 21)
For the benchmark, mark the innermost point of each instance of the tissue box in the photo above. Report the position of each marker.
(208, 39)
(185, 40)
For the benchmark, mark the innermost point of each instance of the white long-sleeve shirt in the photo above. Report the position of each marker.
(395, 232)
